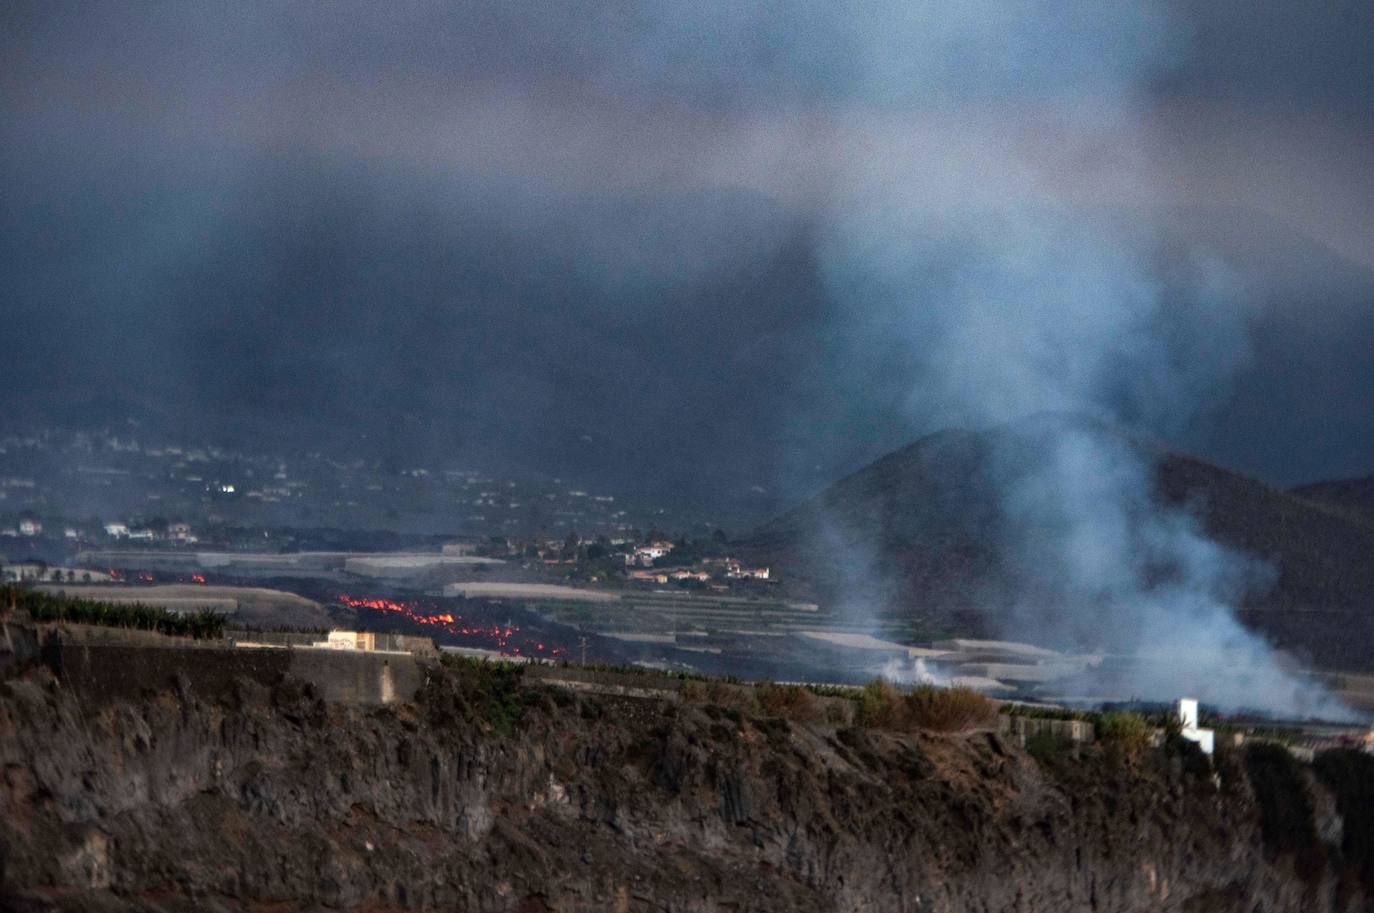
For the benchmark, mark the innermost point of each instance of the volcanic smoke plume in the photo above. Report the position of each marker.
(983, 202)
(994, 297)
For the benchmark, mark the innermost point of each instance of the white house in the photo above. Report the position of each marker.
(1188, 717)
(646, 555)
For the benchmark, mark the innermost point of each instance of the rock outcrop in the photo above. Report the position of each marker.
(490, 794)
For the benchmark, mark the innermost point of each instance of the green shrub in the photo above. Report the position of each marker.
(881, 706)
(1124, 736)
(493, 690)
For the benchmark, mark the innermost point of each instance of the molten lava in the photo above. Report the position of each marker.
(504, 638)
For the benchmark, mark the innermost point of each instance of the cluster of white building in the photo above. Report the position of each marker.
(645, 555)
(176, 532)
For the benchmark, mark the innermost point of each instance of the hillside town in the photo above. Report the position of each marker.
(122, 485)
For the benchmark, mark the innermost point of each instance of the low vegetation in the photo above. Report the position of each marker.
(791, 702)
(1283, 735)
(718, 693)
(492, 691)
(950, 709)
(1038, 712)
(1124, 736)
(54, 607)
(648, 672)
(883, 706)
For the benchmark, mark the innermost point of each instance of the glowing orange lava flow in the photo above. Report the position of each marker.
(451, 624)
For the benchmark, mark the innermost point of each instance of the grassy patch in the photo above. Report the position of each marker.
(950, 709)
(883, 706)
(1124, 736)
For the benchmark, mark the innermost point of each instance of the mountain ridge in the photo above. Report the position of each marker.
(916, 536)
(1353, 497)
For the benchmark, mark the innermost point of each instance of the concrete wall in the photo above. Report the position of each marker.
(1021, 728)
(101, 671)
(274, 638)
(356, 677)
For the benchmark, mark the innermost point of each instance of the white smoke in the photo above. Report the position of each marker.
(1003, 305)
(966, 153)
(1050, 320)
(959, 157)
(912, 671)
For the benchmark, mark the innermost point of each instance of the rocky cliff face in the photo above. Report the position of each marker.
(486, 794)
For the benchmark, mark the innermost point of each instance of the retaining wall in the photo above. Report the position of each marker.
(105, 671)
(1021, 728)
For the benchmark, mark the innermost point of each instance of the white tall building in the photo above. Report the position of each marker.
(1188, 717)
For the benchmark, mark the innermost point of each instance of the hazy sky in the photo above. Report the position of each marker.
(685, 248)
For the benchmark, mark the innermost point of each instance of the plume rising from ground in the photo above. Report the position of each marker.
(990, 299)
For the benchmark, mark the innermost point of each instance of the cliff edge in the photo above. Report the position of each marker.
(490, 792)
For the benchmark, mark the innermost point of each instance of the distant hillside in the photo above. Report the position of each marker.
(1356, 496)
(914, 535)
